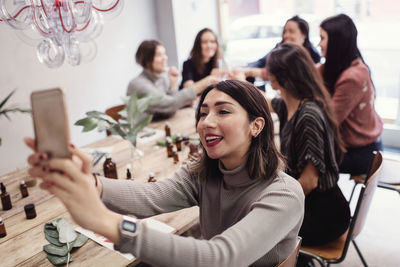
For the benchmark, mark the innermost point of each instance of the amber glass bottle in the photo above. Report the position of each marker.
(169, 146)
(3, 232)
(24, 189)
(151, 178)
(178, 141)
(110, 168)
(128, 174)
(167, 129)
(175, 154)
(5, 198)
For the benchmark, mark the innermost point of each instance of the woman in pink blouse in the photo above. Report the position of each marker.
(348, 79)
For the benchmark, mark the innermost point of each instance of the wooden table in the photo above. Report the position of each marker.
(23, 245)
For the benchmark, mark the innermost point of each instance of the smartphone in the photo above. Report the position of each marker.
(50, 122)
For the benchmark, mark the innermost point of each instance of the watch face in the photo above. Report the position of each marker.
(129, 226)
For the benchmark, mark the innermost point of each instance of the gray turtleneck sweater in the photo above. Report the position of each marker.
(243, 221)
(172, 100)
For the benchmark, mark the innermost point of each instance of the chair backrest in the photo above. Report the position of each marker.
(291, 260)
(113, 112)
(366, 194)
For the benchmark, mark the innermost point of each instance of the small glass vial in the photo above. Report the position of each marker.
(30, 211)
(24, 189)
(128, 174)
(194, 147)
(167, 129)
(178, 141)
(5, 198)
(175, 154)
(110, 168)
(151, 178)
(3, 232)
(169, 146)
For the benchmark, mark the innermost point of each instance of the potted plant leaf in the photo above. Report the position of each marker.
(4, 111)
(133, 120)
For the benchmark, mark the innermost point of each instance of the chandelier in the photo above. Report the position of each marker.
(60, 26)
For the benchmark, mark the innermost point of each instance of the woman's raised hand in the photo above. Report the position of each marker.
(71, 180)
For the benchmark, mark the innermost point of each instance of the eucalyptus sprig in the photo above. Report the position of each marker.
(133, 117)
(63, 239)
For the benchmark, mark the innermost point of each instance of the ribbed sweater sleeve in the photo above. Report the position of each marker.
(170, 101)
(277, 212)
(144, 200)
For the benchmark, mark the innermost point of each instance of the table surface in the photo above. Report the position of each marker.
(23, 245)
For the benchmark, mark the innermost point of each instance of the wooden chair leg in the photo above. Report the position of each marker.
(359, 253)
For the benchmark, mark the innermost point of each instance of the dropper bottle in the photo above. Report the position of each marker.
(5, 198)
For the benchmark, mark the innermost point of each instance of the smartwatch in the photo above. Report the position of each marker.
(129, 226)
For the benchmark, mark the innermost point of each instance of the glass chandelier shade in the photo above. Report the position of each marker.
(62, 25)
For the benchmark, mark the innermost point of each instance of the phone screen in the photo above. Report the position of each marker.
(50, 122)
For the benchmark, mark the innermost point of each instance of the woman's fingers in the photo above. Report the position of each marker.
(65, 196)
(59, 180)
(30, 142)
(86, 160)
(36, 158)
(37, 171)
(67, 167)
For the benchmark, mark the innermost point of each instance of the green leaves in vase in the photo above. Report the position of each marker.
(63, 239)
(4, 111)
(133, 117)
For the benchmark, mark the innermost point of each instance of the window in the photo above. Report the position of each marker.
(378, 25)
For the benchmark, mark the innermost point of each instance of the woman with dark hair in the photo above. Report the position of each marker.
(310, 140)
(154, 79)
(296, 30)
(203, 59)
(250, 211)
(348, 80)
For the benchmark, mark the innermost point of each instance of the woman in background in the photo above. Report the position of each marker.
(203, 59)
(311, 142)
(296, 31)
(154, 79)
(348, 80)
(250, 211)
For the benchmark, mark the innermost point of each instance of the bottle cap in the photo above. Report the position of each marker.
(3, 188)
(22, 182)
(174, 149)
(151, 174)
(1, 219)
(166, 123)
(168, 139)
(178, 135)
(30, 211)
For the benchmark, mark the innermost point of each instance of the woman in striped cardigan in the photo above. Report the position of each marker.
(310, 141)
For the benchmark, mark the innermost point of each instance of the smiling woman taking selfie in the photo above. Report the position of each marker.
(250, 211)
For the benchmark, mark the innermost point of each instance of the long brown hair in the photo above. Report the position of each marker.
(264, 160)
(342, 48)
(196, 55)
(295, 71)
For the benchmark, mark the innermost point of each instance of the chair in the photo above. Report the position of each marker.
(389, 180)
(113, 112)
(291, 260)
(335, 251)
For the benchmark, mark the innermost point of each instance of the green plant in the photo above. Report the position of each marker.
(5, 110)
(133, 117)
(63, 239)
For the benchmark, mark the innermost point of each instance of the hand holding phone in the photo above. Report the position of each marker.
(50, 123)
